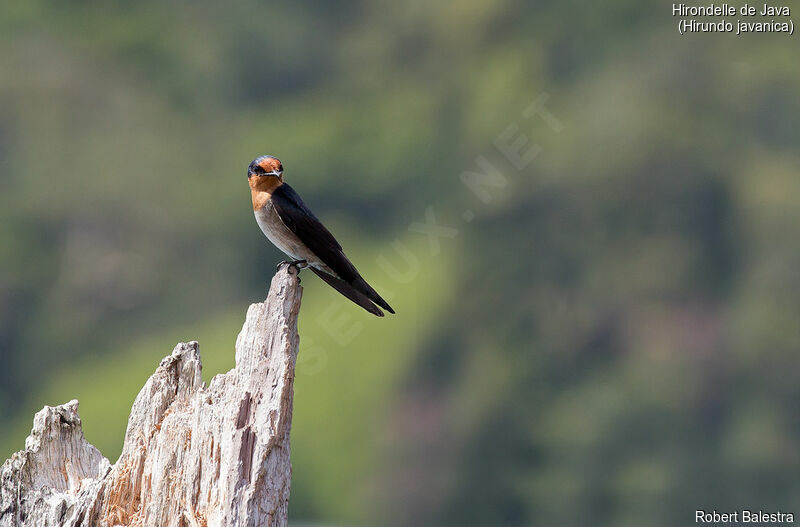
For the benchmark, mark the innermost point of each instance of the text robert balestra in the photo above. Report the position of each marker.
(703, 517)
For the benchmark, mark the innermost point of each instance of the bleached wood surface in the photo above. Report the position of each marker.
(193, 456)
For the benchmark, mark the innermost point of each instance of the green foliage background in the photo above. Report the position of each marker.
(612, 340)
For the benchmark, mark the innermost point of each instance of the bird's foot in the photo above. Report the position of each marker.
(296, 264)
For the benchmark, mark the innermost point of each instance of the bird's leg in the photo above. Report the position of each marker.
(297, 264)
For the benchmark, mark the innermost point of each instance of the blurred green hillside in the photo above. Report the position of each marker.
(609, 337)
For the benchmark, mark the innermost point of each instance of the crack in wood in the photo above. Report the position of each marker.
(194, 455)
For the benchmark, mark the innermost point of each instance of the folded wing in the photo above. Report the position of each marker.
(300, 220)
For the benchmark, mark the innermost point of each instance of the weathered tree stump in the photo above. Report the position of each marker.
(194, 455)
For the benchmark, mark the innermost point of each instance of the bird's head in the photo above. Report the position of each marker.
(265, 171)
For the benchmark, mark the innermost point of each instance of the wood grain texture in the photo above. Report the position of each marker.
(194, 454)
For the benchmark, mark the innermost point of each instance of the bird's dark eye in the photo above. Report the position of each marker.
(280, 168)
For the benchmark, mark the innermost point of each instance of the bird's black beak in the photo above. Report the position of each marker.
(275, 173)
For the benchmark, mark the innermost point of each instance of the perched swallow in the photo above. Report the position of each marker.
(293, 228)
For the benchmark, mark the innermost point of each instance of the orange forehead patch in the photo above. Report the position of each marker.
(269, 164)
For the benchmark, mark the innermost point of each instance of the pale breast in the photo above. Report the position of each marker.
(283, 238)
